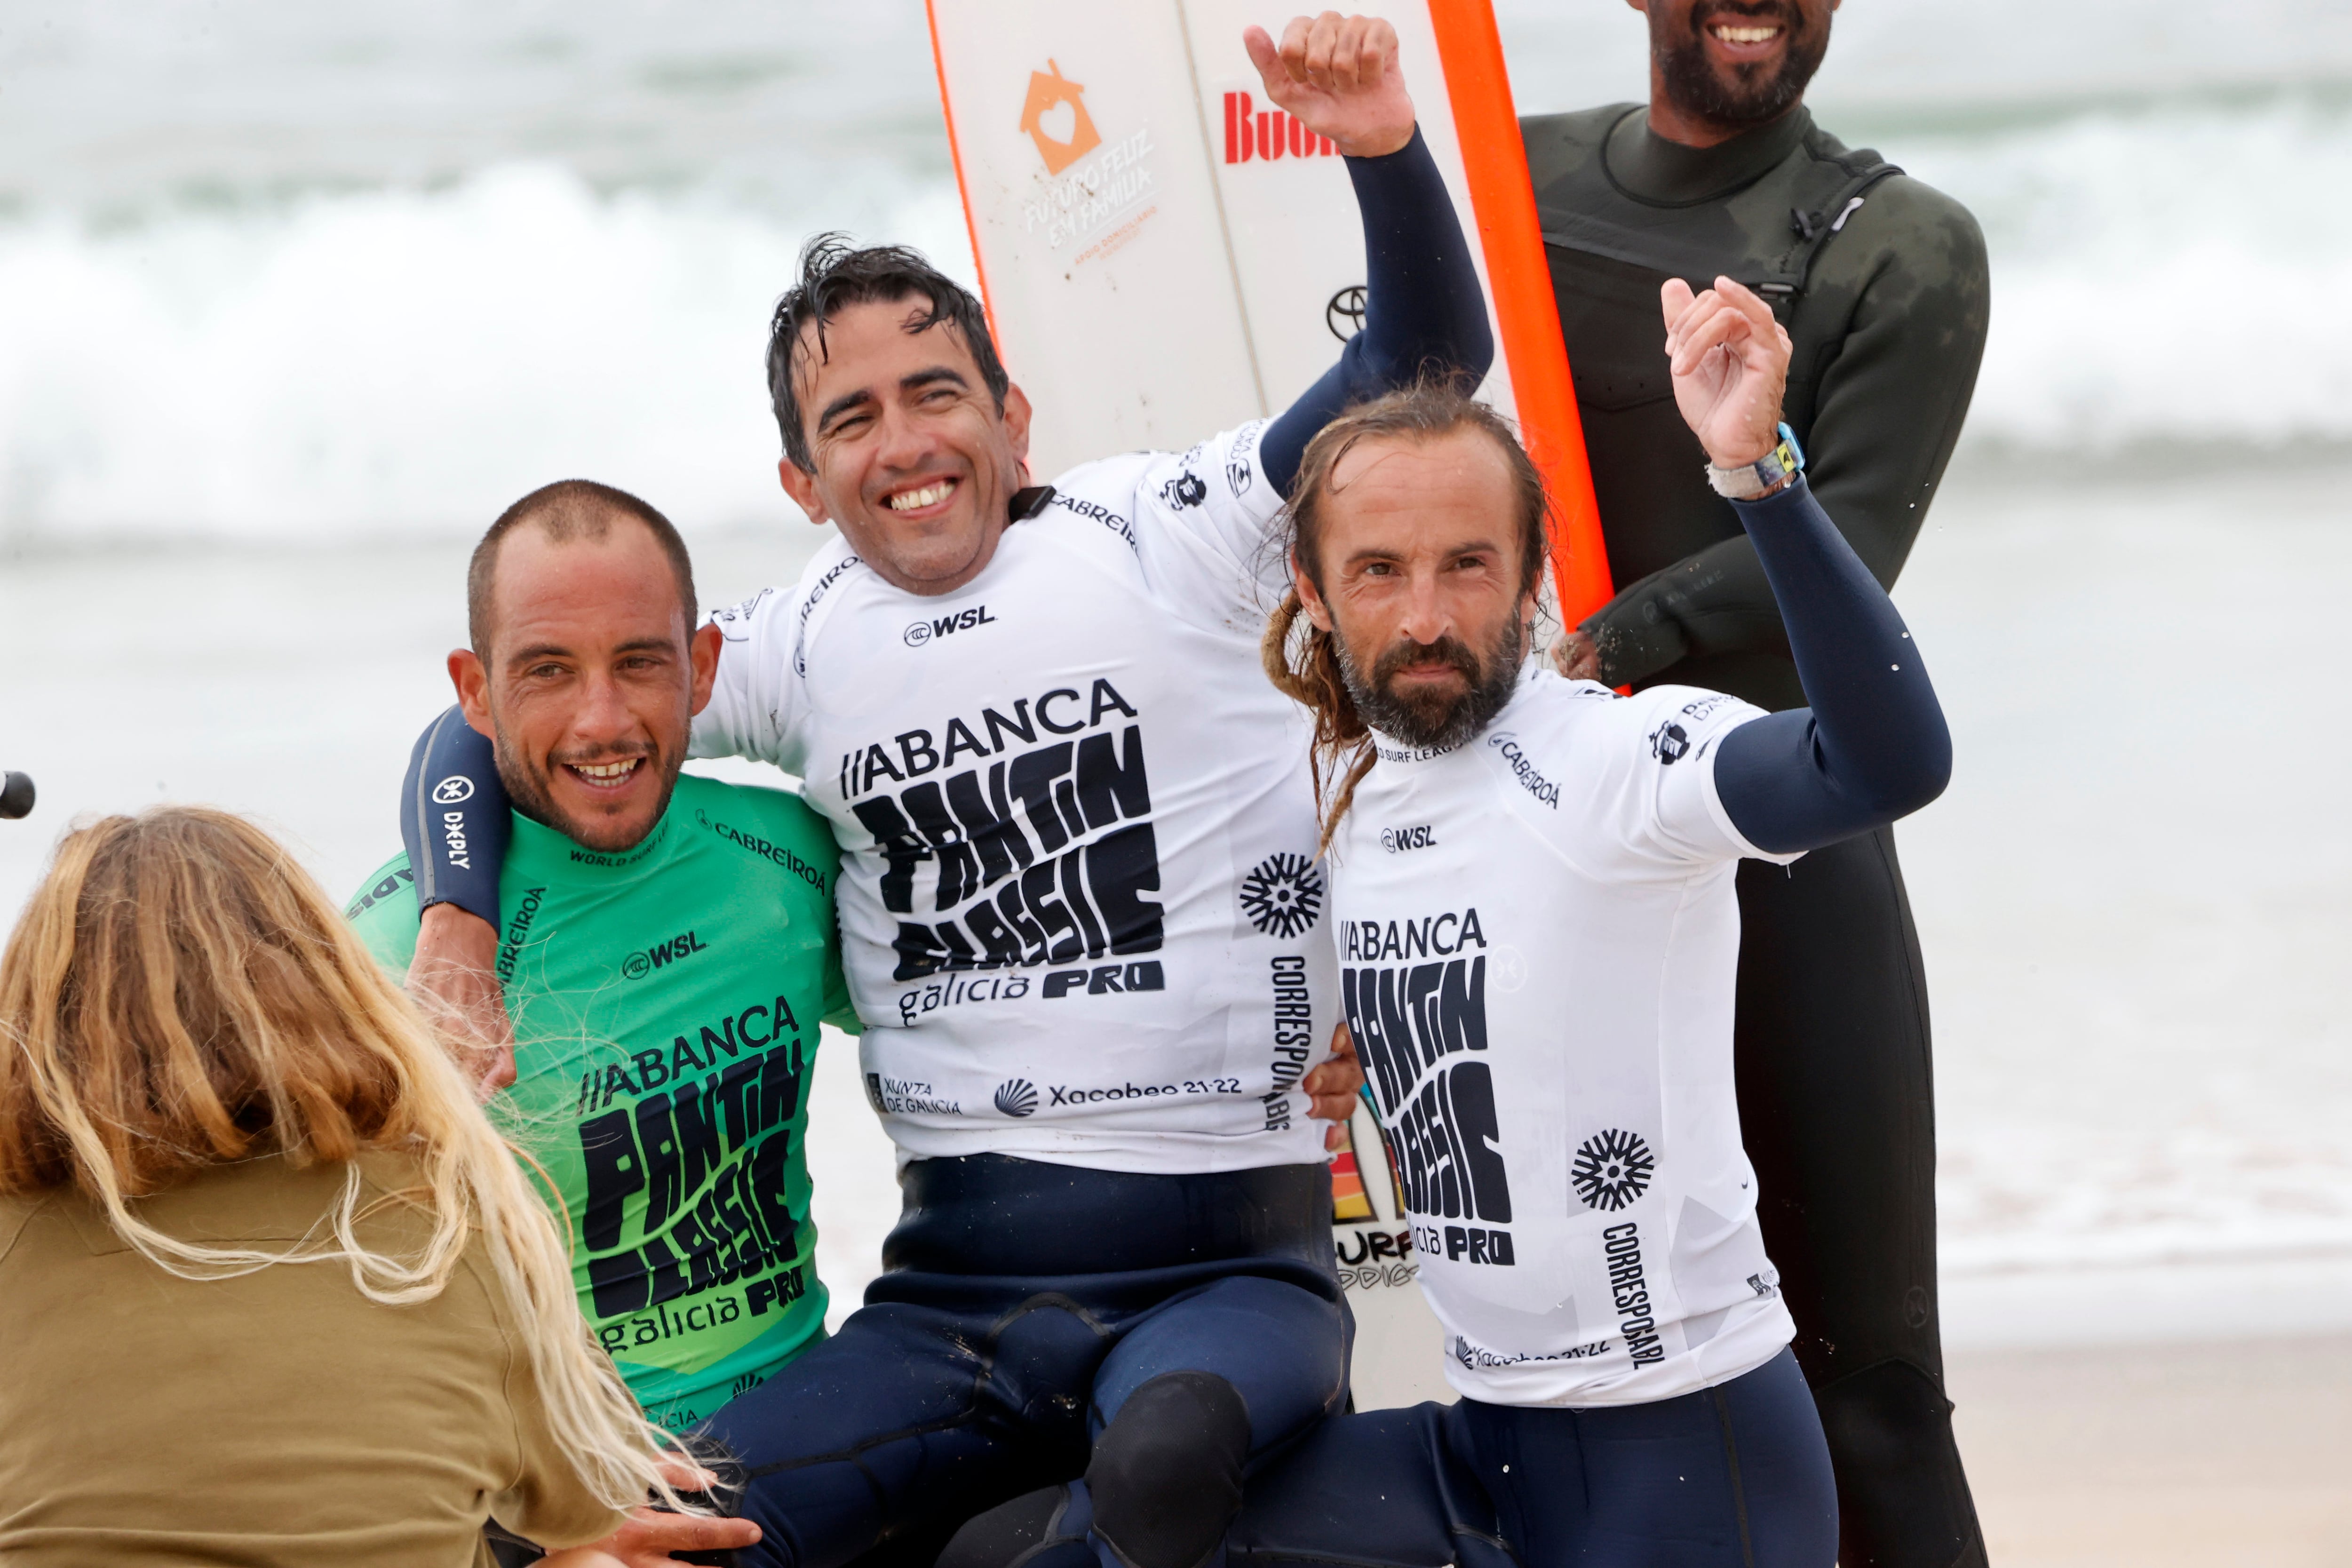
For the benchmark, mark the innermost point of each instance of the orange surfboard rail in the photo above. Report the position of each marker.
(1502, 197)
(955, 152)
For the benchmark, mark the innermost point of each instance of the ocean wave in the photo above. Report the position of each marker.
(367, 362)
(391, 360)
(2160, 276)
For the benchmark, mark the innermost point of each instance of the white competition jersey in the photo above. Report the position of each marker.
(1079, 912)
(1538, 936)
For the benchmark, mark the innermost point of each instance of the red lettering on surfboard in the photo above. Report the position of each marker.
(1253, 133)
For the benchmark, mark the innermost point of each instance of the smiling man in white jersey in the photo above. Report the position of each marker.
(1532, 888)
(1080, 915)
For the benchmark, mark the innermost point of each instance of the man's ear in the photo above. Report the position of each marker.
(1016, 424)
(705, 648)
(473, 684)
(801, 485)
(1310, 598)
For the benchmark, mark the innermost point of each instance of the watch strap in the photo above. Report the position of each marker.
(1784, 461)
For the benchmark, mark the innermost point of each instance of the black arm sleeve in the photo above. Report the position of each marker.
(1423, 304)
(1873, 746)
(454, 818)
(1886, 415)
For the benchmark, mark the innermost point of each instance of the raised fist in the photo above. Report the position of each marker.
(1338, 74)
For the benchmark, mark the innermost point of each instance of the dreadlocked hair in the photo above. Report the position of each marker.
(1301, 659)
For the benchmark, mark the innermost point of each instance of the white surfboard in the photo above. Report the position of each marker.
(1164, 255)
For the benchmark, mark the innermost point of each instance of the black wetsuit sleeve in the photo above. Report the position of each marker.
(1872, 745)
(457, 847)
(1888, 414)
(1422, 308)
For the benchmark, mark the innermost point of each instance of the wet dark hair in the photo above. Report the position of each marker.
(565, 510)
(836, 275)
(1302, 660)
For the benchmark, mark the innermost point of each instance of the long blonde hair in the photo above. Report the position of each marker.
(181, 995)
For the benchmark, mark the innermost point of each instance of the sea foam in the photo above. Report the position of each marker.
(391, 360)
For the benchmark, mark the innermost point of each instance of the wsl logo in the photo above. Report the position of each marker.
(1017, 1096)
(683, 945)
(1611, 1168)
(1283, 896)
(921, 632)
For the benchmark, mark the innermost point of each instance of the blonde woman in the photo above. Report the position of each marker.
(271, 1290)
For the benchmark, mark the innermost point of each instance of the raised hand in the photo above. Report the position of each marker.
(1730, 363)
(1340, 75)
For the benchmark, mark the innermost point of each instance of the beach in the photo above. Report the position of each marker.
(2198, 1455)
(293, 302)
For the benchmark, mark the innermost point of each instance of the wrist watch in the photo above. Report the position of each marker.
(1768, 472)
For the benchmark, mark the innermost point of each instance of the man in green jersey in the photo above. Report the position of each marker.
(667, 950)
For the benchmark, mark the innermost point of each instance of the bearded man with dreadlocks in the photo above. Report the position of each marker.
(1532, 880)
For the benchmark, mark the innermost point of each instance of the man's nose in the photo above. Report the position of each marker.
(904, 442)
(603, 714)
(1426, 619)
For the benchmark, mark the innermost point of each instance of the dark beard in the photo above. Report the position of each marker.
(1432, 721)
(1752, 98)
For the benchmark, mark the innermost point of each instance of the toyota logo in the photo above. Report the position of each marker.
(453, 789)
(1345, 312)
(919, 634)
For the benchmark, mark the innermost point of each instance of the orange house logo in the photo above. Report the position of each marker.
(1055, 118)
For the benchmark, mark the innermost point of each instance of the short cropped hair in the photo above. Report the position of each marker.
(836, 275)
(565, 510)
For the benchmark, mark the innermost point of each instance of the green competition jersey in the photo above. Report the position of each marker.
(666, 1003)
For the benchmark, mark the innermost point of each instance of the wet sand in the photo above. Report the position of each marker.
(2218, 1453)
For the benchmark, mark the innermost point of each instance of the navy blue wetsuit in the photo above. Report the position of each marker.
(1161, 1333)
(1733, 1475)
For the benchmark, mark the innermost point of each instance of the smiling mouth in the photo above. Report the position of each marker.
(606, 776)
(921, 497)
(1729, 33)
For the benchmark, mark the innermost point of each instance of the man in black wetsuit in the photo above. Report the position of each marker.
(1881, 283)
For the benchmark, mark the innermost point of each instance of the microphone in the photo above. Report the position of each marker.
(15, 796)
